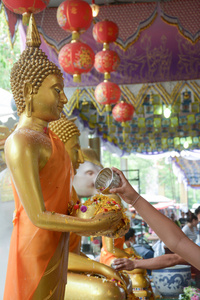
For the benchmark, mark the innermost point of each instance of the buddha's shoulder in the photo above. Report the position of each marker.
(26, 137)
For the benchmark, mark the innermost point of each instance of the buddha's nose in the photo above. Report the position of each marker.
(63, 98)
(80, 157)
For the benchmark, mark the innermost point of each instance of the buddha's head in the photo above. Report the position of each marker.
(68, 133)
(86, 174)
(31, 71)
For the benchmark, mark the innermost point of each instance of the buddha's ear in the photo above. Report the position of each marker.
(28, 94)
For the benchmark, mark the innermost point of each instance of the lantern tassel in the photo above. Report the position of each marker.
(106, 76)
(108, 108)
(26, 18)
(76, 78)
(124, 133)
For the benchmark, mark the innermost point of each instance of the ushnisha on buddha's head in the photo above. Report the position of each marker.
(30, 72)
(68, 133)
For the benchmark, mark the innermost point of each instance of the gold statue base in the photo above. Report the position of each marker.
(92, 287)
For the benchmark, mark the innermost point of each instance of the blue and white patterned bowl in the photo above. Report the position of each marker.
(171, 281)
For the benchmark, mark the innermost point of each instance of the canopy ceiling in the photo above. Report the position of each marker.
(158, 45)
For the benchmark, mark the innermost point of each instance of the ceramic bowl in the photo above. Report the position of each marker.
(171, 281)
(105, 180)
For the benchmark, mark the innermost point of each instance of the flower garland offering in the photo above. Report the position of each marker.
(105, 204)
(190, 293)
(77, 206)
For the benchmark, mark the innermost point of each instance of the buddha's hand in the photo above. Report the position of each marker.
(111, 221)
(122, 229)
(105, 223)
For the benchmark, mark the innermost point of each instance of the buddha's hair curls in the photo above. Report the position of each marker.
(33, 66)
(64, 128)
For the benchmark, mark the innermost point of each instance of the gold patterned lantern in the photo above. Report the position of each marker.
(107, 93)
(105, 32)
(123, 112)
(106, 61)
(76, 58)
(75, 16)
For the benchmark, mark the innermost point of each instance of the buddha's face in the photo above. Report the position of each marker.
(49, 101)
(85, 178)
(73, 148)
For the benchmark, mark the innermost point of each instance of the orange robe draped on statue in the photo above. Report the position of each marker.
(32, 248)
(107, 257)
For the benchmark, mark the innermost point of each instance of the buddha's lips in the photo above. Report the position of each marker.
(60, 107)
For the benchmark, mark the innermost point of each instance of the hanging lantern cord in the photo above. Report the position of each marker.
(123, 133)
(77, 98)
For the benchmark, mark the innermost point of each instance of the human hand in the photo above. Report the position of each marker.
(125, 190)
(123, 264)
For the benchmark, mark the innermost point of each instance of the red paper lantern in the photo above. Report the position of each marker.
(107, 93)
(123, 112)
(76, 58)
(74, 15)
(105, 32)
(106, 61)
(26, 6)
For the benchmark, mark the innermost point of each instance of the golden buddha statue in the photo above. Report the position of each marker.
(86, 278)
(41, 174)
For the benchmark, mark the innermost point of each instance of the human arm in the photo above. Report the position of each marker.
(167, 230)
(27, 152)
(159, 262)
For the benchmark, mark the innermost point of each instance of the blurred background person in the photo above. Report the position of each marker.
(182, 219)
(190, 229)
(173, 218)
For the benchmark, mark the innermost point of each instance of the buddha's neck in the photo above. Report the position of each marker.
(32, 123)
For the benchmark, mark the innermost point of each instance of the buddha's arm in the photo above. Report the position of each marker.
(83, 254)
(79, 263)
(109, 243)
(22, 155)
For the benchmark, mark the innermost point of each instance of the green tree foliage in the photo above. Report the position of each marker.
(167, 180)
(155, 176)
(8, 55)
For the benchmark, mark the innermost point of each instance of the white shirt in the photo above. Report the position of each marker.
(192, 235)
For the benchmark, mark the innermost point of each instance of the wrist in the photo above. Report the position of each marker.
(137, 263)
(135, 200)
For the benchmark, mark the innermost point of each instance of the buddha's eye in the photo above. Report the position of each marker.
(58, 90)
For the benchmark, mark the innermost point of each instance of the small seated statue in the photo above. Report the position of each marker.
(86, 278)
(112, 249)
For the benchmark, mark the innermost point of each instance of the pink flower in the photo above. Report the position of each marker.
(96, 242)
(83, 208)
(195, 297)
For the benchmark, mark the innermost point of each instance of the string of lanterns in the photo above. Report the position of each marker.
(76, 57)
(107, 61)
